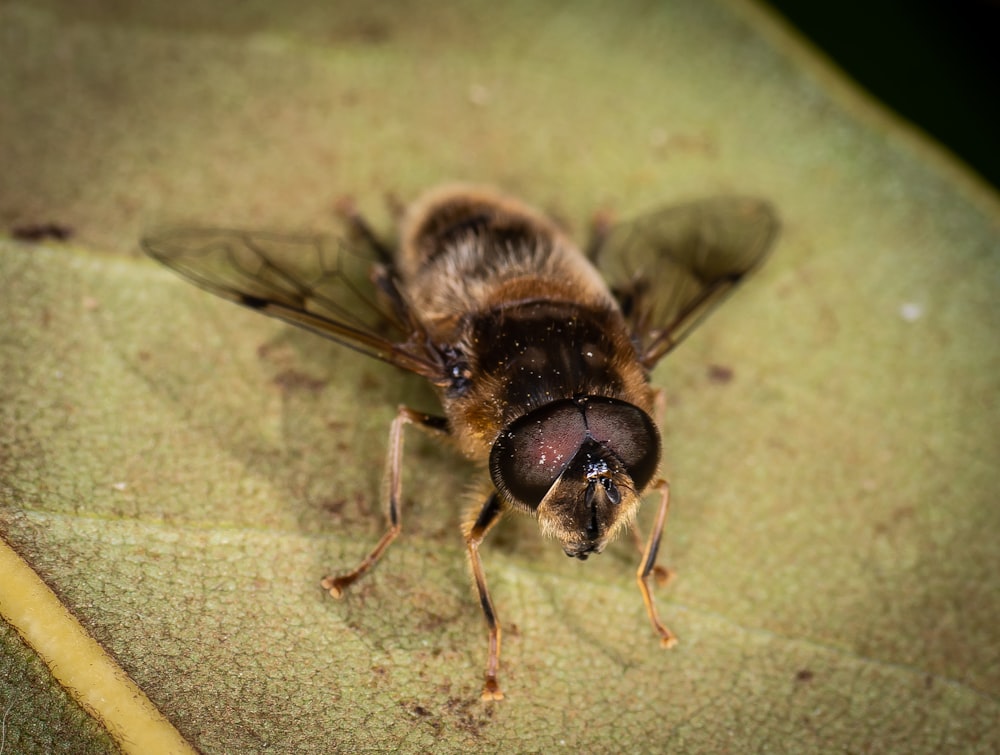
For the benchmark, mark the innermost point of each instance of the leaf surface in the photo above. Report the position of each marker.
(182, 473)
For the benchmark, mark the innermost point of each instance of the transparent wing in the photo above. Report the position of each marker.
(671, 267)
(316, 282)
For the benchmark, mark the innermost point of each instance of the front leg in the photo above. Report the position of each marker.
(648, 566)
(405, 416)
(488, 516)
(662, 574)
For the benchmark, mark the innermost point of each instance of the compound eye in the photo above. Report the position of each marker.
(529, 456)
(630, 435)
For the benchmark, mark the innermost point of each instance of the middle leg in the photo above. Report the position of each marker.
(336, 585)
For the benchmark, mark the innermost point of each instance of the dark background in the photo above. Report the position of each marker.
(935, 62)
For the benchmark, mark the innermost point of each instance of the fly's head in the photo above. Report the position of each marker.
(580, 465)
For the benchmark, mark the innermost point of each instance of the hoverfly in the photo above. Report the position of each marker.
(540, 353)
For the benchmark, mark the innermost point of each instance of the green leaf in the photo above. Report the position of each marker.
(182, 473)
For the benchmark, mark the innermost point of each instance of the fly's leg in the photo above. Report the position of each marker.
(659, 406)
(601, 223)
(361, 228)
(383, 273)
(405, 416)
(648, 565)
(662, 574)
(488, 516)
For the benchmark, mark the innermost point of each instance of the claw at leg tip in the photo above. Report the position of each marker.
(491, 691)
(330, 585)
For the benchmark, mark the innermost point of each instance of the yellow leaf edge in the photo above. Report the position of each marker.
(79, 664)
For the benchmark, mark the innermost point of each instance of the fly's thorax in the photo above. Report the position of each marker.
(515, 359)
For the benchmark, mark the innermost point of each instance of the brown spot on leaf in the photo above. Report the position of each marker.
(368, 31)
(345, 207)
(293, 380)
(470, 715)
(369, 382)
(419, 711)
(720, 374)
(333, 507)
(41, 231)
